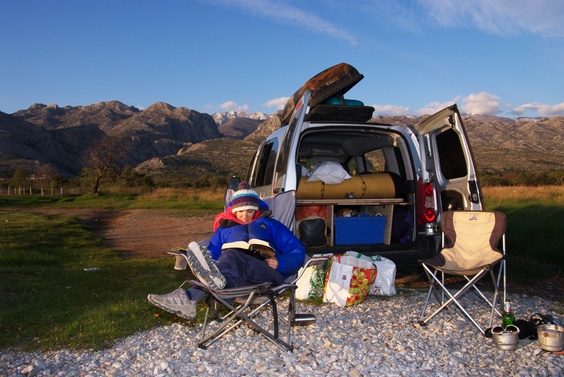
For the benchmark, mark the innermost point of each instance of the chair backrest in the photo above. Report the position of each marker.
(283, 207)
(472, 238)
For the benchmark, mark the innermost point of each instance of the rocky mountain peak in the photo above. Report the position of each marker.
(60, 136)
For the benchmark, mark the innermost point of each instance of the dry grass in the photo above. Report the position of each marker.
(499, 194)
(215, 194)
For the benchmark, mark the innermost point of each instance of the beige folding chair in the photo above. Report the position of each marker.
(470, 249)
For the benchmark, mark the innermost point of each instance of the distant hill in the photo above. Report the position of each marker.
(171, 141)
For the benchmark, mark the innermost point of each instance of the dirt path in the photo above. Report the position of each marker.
(140, 232)
(150, 233)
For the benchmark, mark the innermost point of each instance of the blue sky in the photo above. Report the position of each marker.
(501, 57)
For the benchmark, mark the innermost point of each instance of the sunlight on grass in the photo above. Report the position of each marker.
(534, 220)
(495, 196)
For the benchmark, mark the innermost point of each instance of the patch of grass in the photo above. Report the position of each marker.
(534, 221)
(48, 300)
(534, 232)
(163, 198)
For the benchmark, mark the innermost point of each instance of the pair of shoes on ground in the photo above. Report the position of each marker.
(203, 267)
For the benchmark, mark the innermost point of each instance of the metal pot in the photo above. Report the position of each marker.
(551, 337)
(507, 339)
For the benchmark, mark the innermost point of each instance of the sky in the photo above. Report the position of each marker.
(498, 57)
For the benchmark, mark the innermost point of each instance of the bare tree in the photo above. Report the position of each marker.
(103, 161)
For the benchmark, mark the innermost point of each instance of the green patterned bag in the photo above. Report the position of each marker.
(311, 283)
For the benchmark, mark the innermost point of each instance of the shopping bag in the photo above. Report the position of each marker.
(311, 282)
(385, 282)
(348, 280)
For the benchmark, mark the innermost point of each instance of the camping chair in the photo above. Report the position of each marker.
(470, 249)
(255, 298)
(245, 303)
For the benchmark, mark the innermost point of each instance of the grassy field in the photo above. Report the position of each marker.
(49, 299)
(535, 223)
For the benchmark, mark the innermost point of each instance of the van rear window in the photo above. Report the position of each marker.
(451, 156)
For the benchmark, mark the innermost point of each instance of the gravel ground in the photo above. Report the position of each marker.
(379, 337)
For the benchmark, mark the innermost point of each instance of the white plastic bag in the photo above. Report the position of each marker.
(349, 280)
(385, 283)
(329, 172)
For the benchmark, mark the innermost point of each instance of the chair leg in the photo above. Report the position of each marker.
(237, 316)
(430, 277)
(452, 298)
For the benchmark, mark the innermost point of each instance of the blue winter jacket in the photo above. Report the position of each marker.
(290, 252)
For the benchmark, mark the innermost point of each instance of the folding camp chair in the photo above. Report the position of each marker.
(470, 249)
(245, 303)
(255, 298)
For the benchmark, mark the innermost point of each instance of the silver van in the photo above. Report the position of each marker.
(361, 185)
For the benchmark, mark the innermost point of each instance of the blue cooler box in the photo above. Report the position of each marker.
(359, 230)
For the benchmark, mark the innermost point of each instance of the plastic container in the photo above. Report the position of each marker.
(360, 230)
(551, 337)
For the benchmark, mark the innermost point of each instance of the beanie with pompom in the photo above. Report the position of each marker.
(244, 199)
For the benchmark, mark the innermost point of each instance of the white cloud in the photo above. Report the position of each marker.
(433, 107)
(542, 17)
(284, 12)
(390, 110)
(481, 103)
(277, 103)
(232, 106)
(542, 109)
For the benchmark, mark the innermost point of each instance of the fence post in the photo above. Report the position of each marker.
(61, 190)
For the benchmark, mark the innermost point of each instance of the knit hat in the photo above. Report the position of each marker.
(244, 199)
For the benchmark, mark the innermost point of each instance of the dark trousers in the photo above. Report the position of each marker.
(241, 269)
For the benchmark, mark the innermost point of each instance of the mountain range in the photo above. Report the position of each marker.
(170, 141)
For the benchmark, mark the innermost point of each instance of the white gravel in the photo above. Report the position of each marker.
(379, 337)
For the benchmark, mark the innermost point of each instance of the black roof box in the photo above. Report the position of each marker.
(335, 80)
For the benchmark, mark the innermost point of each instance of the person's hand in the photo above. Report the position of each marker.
(272, 262)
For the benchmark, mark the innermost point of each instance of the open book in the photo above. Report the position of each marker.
(257, 248)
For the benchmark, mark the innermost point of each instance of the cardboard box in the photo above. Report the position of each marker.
(359, 230)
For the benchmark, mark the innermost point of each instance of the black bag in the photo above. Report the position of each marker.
(312, 231)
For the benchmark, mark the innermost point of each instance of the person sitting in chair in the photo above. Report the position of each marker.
(247, 217)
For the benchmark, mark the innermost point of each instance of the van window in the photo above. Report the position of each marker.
(266, 161)
(376, 162)
(451, 155)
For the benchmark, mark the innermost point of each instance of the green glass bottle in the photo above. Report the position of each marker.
(508, 315)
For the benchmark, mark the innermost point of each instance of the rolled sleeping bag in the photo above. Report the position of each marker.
(362, 186)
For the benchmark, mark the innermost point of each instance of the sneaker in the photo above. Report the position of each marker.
(175, 302)
(203, 266)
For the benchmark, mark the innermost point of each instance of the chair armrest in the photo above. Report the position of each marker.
(177, 252)
(180, 262)
(317, 260)
(279, 288)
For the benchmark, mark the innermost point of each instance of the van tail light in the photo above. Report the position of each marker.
(426, 213)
